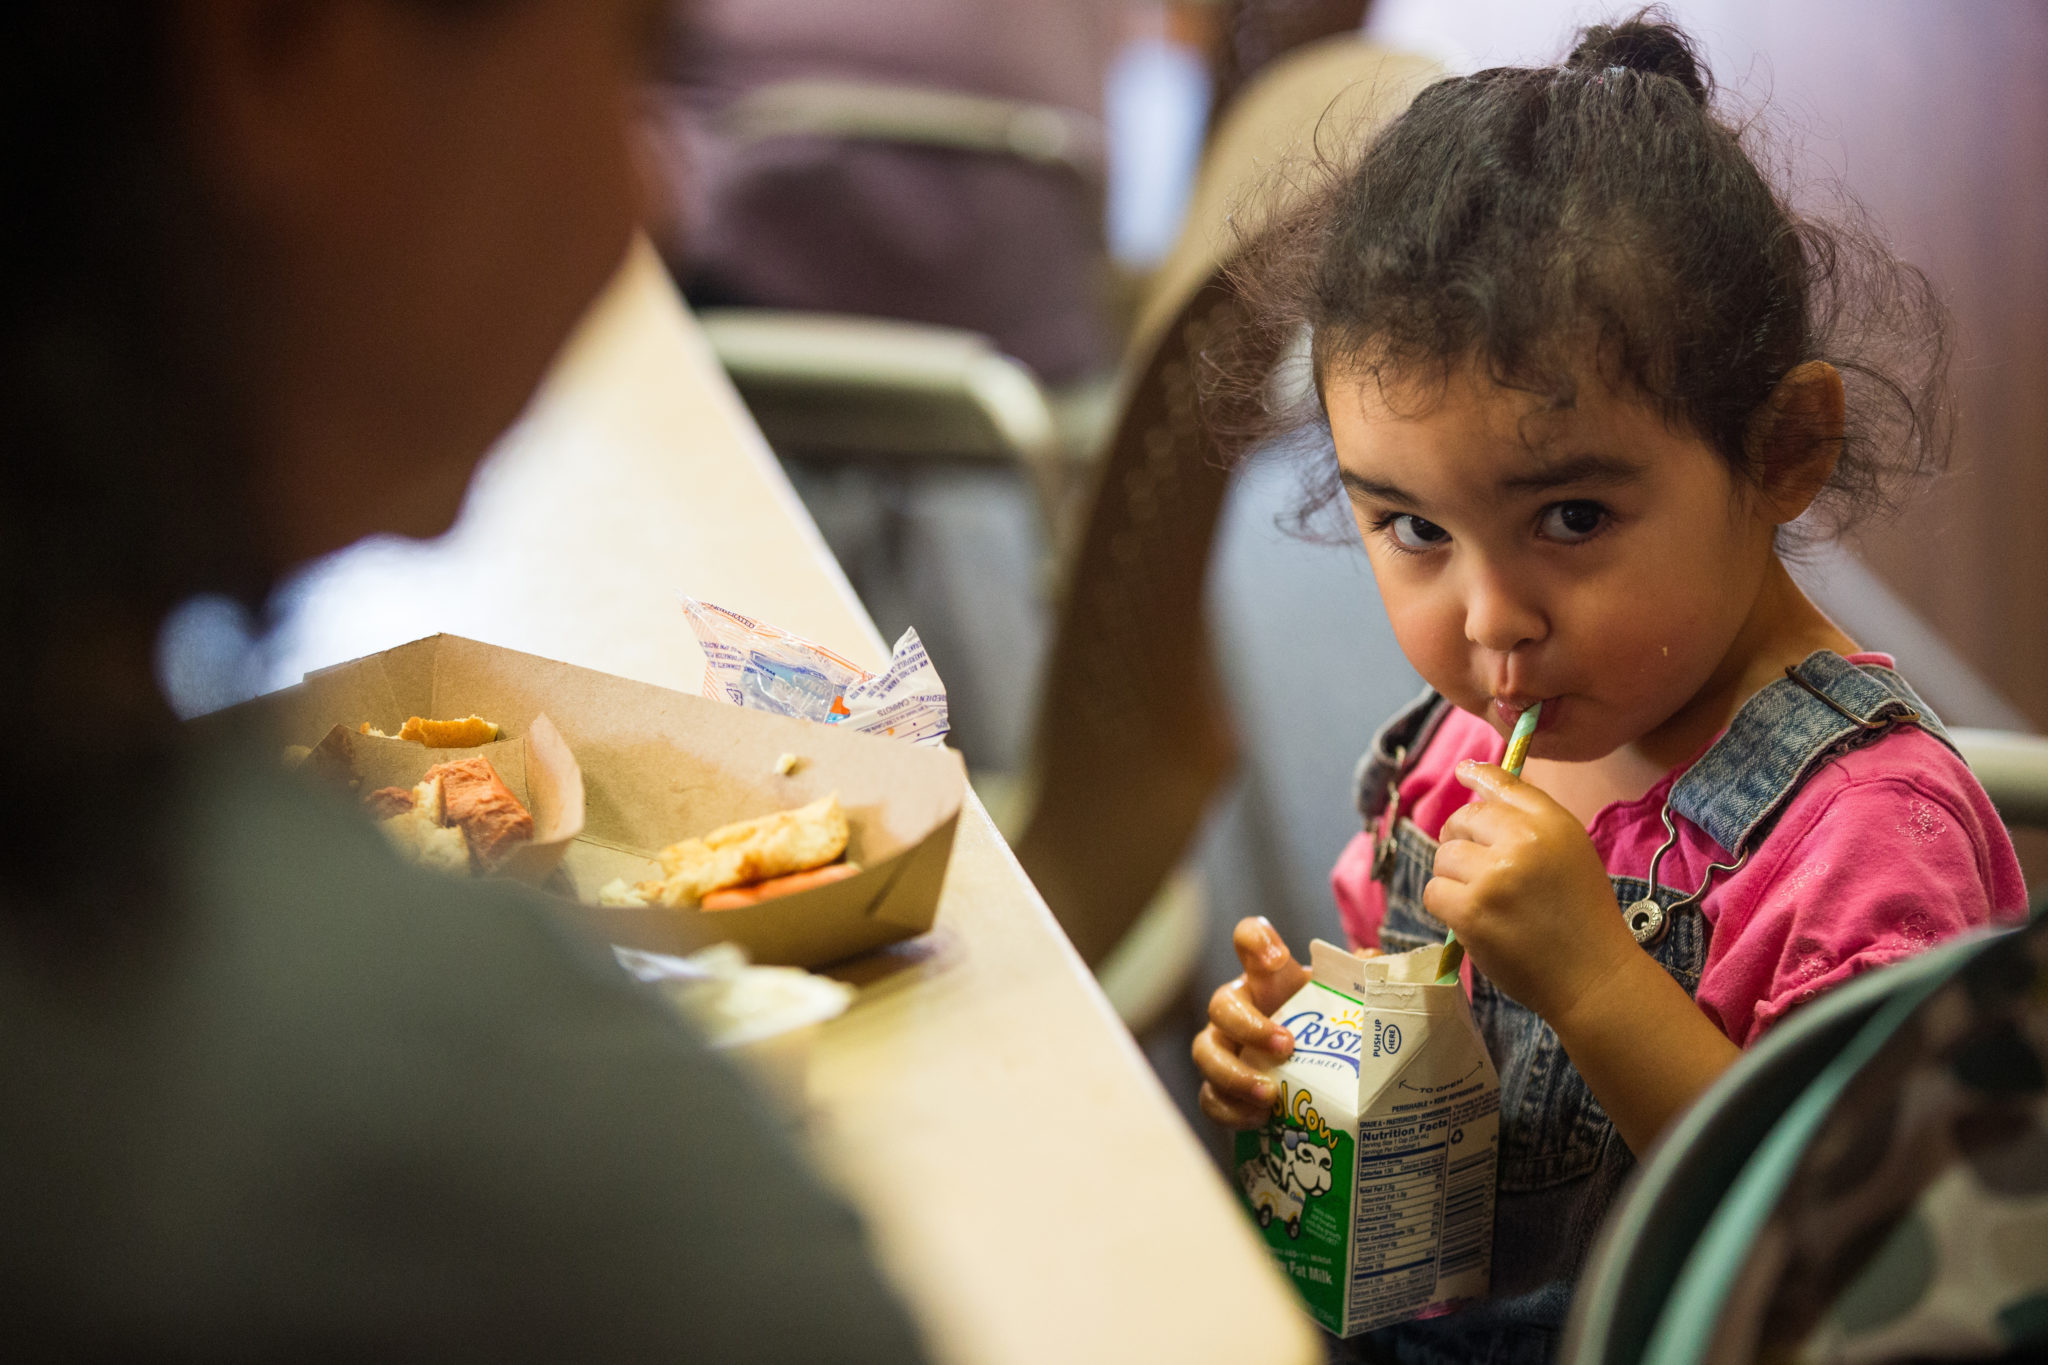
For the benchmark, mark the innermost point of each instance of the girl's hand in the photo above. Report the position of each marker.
(1517, 878)
(1240, 1016)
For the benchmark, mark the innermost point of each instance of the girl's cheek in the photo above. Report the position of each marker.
(1629, 611)
(1432, 638)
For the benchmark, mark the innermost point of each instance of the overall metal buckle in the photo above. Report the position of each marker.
(1905, 715)
(1648, 920)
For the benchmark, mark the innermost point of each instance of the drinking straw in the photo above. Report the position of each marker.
(1512, 761)
(1518, 742)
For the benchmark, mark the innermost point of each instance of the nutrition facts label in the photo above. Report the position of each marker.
(1400, 1194)
(1405, 1164)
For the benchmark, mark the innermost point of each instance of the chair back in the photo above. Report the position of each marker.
(2014, 770)
(1133, 735)
(1646, 1242)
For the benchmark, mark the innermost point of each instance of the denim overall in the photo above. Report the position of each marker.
(1561, 1162)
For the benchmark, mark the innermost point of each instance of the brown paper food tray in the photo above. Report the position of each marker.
(658, 766)
(536, 767)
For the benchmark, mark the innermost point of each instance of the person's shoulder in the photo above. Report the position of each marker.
(1905, 757)
(1905, 763)
(1905, 795)
(374, 1036)
(274, 861)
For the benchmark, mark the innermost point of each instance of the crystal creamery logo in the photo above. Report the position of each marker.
(1336, 1035)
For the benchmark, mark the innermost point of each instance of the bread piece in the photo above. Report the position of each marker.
(419, 836)
(427, 800)
(616, 893)
(754, 850)
(386, 802)
(467, 733)
(477, 801)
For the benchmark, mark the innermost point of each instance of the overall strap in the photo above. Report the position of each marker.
(1394, 750)
(1784, 734)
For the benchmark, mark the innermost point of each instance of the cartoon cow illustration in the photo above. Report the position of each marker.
(1280, 1180)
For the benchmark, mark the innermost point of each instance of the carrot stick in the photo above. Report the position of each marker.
(739, 897)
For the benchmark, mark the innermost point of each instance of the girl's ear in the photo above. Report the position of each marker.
(1796, 437)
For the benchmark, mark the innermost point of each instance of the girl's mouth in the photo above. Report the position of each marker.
(1509, 710)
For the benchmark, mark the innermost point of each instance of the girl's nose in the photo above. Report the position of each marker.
(1497, 616)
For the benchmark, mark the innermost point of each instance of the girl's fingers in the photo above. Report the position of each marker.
(1259, 945)
(1230, 1113)
(1482, 822)
(1462, 826)
(1459, 860)
(1271, 974)
(1446, 900)
(1489, 779)
(1494, 783)
(1225, 1070)
(1268, 991)
(1232, 1012)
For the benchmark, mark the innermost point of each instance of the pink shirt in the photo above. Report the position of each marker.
(1885, 851)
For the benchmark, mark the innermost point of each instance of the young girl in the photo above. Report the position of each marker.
(1583, 371)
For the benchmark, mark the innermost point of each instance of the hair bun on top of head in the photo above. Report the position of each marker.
(1641, 44)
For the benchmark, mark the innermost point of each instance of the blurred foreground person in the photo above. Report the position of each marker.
(276, 272)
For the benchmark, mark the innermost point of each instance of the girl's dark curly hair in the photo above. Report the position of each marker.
(1538, 219)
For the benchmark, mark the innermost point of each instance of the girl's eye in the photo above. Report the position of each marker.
(1413, 533)
(1572, 522)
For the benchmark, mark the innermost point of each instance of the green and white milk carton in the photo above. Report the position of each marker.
(1373, 1178)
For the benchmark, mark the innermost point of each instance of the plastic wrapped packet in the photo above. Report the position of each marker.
(767, 1017)
(752, 664)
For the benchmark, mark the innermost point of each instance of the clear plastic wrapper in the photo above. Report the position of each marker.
(750, 663)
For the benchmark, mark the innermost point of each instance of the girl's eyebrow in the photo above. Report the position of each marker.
(1362, 487)
(1582, 468)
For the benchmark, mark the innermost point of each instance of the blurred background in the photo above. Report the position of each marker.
(960, 259)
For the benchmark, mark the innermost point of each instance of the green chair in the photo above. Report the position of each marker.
(1675, 1195)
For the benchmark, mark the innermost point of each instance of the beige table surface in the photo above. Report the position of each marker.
(1027, 1182)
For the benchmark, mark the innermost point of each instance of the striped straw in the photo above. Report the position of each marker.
(1517, 755)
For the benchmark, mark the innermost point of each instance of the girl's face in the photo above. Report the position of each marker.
(1590, 558)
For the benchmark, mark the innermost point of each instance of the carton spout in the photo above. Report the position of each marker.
(1348, 972)
(1435, 964)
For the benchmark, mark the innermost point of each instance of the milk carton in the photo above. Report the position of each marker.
(1373, 1177)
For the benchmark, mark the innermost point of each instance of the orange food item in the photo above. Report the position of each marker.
(477, 801)
(739, 897)
(467, 733)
